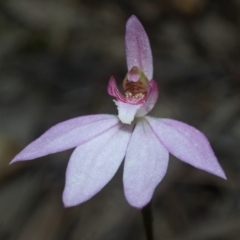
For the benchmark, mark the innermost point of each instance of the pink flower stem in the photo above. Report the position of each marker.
(148, 221)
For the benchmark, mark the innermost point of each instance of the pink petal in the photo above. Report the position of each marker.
(138, 50)
(151, 99)
(186, 143)
(67, 135)
(93, 164)
(145, 165)
(113, 90)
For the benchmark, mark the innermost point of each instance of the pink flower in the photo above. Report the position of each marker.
(102, 141)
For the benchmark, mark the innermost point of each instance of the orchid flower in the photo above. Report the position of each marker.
(103, 141)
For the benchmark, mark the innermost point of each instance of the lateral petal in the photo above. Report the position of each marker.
(186, 143)
(66, 135)
(151, 99)
(145, 165)
(138, 50)
(113, 90)
(93, 164)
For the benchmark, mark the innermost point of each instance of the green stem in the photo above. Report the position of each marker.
(148, 221)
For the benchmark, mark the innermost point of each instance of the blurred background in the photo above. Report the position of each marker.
(56, 58)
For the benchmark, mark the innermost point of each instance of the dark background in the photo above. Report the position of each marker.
(56, 58)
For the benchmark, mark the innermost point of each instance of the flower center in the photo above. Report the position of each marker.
(135, 85)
